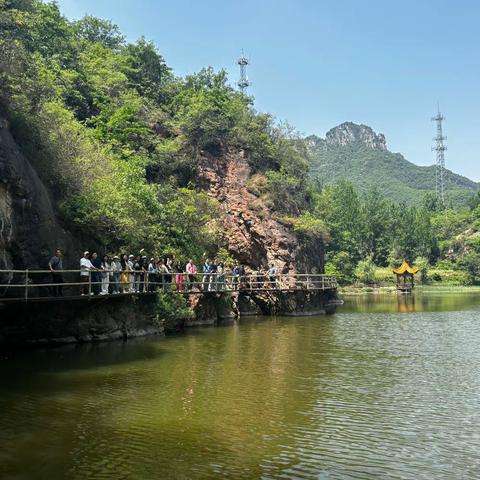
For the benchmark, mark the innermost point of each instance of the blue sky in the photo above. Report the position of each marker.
(319, 63)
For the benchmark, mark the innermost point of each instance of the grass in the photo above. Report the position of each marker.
(429, 288)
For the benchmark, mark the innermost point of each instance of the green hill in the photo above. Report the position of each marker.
(358, 154)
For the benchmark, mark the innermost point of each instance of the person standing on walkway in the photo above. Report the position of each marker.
(137, 267)
(131, 275)
(206, 275)
(124, 276)
(86, 268)
(56, 266)
(152, 275)
(236, 277)
(106, 268)
(212, 285)
(220, 278)
(159, 276)
(169, 264)
(96, 274)
(116, 268)
(166, 277)
(179, 277)
(191, 270)
(272, 276)
(169, 275)
(143, 274)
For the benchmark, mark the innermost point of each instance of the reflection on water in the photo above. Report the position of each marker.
(418, 301)
(367, 393)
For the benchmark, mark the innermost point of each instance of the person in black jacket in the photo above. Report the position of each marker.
(96, 275)
(56, 266)
(137, 267)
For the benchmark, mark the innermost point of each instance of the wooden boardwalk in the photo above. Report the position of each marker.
(38, 285)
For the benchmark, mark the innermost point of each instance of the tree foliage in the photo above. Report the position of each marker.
(370, 228)
(117, 137)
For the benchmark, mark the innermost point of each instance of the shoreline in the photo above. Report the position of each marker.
(392, 290)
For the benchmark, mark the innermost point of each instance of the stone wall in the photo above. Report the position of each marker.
(71, 321)
(113, 318)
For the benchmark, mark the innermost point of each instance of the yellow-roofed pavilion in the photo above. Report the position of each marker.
(405, 275)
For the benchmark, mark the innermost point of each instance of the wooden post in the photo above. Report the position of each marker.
(26, 285)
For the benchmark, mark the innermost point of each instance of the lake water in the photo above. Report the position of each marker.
(386, 388)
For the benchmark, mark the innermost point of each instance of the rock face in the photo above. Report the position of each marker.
(349, 132)
(78, 321)
(29, 228)
(255, 237)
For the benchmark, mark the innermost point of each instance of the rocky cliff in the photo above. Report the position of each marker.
(358, 154)
(29, 226)
(349, 132)
(255, 236)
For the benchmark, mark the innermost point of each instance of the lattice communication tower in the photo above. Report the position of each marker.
(439, 148)
(244, 82)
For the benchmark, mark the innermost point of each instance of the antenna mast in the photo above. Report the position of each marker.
(243, 83)
(440, 160)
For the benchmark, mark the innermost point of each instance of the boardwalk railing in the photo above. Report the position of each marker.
(25, 285)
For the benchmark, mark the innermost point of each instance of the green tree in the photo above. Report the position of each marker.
(365, 271)
(376, 227)
(423, 266)
(96, 30)
(147, 71)
(470, 263)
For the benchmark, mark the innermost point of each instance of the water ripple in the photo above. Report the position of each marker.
(354, 396)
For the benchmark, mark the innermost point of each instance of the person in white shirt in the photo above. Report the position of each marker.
(272, 276)
(85, 268)
(152, 275)
(105, 275)
(116, 268)
(130, 262)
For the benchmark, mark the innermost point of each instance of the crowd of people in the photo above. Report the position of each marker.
(138, 274)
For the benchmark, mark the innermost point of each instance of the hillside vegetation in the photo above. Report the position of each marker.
(116, 136)
(118, 139)
(355, 153)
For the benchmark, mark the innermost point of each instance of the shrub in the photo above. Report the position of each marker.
(423, 267)
(365, 271)
(470, 264)
(342, 266)
(171, 306)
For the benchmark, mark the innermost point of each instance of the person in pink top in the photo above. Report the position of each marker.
(191, 270)
(179, 277)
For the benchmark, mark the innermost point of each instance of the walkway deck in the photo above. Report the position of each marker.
(38, 286)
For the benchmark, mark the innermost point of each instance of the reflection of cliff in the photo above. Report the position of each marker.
(235, 384)
(221, 403)
(254, 235)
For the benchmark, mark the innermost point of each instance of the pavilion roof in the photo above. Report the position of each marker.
(405, 267)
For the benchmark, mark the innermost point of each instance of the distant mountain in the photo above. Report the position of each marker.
(358, 154)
